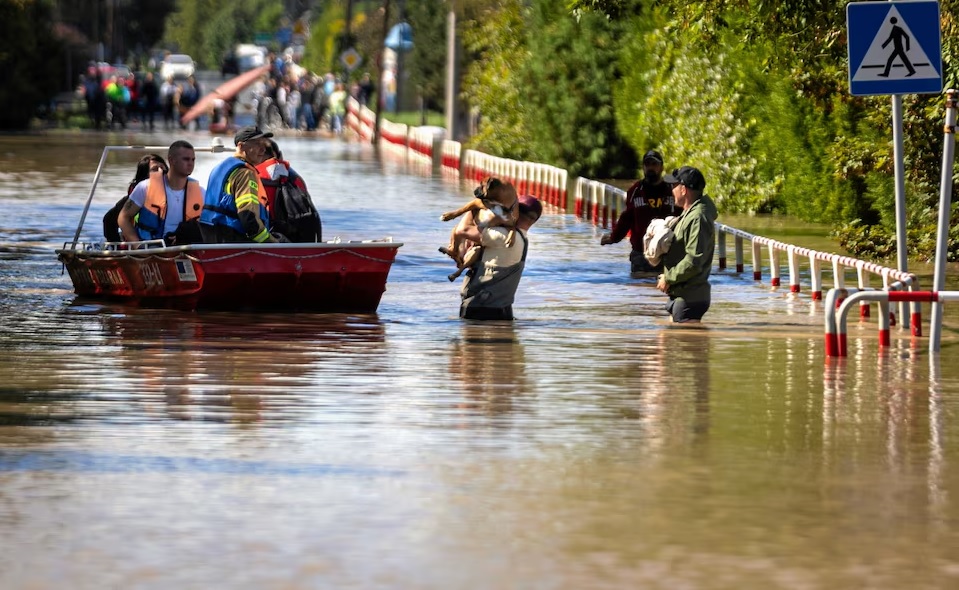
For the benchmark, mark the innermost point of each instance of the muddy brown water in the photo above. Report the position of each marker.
(589, 444)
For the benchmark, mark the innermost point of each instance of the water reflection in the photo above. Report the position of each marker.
(233, 367)
(489, 364)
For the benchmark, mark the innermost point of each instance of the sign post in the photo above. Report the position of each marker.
(895, 48)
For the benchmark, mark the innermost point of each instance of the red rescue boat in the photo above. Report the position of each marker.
(331, 276)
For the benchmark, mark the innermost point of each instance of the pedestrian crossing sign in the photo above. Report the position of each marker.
(894, 47)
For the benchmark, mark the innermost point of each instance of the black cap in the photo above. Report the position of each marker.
(249, 133)
(653, 155)
(689, 176)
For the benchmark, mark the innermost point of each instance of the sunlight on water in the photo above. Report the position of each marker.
(589, 444)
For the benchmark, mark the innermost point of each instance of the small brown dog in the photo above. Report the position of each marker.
(495, 204)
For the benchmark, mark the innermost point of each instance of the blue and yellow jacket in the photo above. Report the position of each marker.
(245, 211)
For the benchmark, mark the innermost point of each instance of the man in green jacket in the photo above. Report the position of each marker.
(689, 260)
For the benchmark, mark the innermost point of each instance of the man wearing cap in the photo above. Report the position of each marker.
(235, 208)
(649, 198)
(490, 286)
(689, 260)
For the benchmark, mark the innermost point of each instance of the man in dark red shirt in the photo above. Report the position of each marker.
(649, 198)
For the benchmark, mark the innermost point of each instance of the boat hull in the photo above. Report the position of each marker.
(325, 277)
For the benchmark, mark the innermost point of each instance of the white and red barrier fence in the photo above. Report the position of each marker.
(545, 182)
(796, 255)
(597, 202)
(835, 316)
(359, 119)
(422, 143)
(450, 154)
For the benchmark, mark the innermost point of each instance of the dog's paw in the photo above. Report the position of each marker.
(448, 251)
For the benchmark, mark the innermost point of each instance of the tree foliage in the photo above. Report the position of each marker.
(426, 62)
(568, 82)
(207, 29)
(30, 58)
(493, 35)
(785, 134)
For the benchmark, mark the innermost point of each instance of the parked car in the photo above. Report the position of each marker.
(177, 65)
(242, 58)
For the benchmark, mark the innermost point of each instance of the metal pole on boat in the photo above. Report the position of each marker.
(96, 179)
(216, 147)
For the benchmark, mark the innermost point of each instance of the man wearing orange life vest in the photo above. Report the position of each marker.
(159, 205)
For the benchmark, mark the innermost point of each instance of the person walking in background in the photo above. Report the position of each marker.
(367, 88)
(151, 100)
(168, 98)
(649, 198)
(118, 95)
(337, 108)
(689, 260)
(189, 96)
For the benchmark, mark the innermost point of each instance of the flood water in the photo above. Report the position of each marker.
(589, 444)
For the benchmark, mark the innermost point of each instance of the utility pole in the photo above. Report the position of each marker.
(452, 74)
(348, 41)
(379, 90)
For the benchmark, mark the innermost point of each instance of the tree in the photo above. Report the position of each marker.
(493, 33)
(568, 85)
(31, 59)
(426, 63)
(207, 29)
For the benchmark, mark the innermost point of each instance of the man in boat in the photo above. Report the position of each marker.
(649, 198)
(291, 209)
(490, 286)
(235, 209)
(165, 205)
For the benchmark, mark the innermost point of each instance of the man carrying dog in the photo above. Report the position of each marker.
(490, 286)
(649, 198)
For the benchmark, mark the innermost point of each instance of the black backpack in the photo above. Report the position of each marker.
(294, 215)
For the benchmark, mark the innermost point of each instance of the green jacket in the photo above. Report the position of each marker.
(690, 258)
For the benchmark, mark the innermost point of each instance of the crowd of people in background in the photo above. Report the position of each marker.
(116, 100)
(289, 97)
(292, 97)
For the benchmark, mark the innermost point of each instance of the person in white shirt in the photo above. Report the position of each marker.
(161, 204)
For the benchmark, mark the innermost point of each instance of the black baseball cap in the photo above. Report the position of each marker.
(688, 176)
(248, 134)
(653, 155)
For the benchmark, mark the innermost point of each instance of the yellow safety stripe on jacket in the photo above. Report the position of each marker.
(262, 236)
(246, 200)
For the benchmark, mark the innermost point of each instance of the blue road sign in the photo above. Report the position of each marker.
(894, 47)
